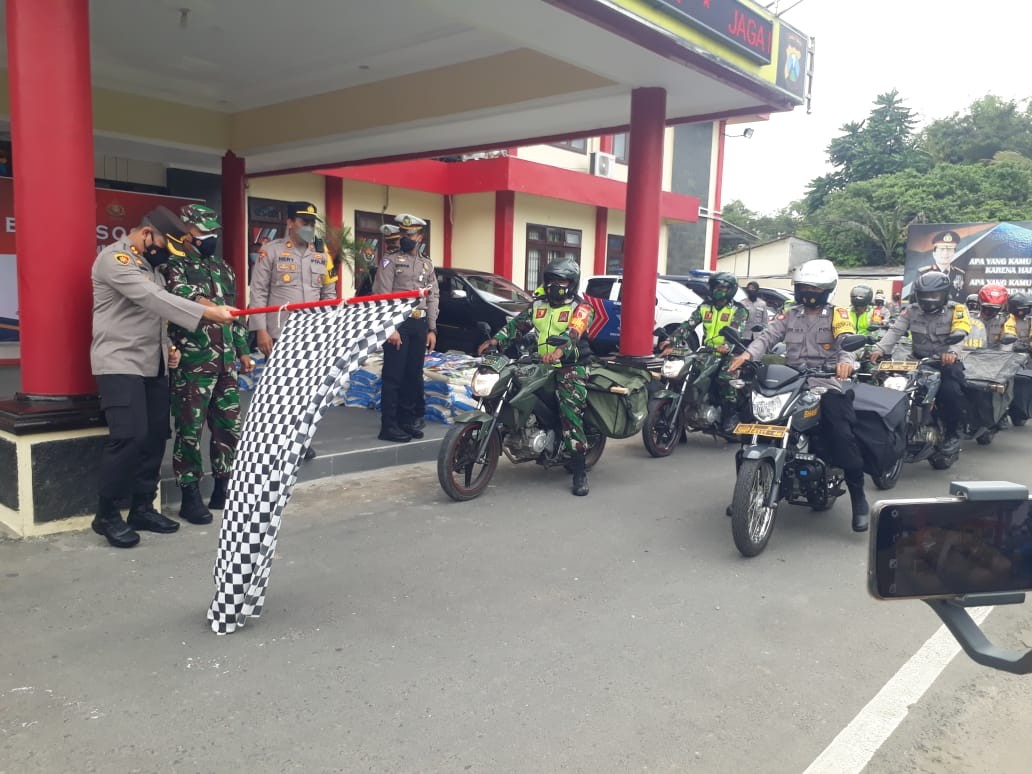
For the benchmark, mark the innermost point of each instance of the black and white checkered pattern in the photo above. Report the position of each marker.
(313, 359)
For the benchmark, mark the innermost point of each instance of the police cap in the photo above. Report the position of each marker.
(302, 210)
(410, 224)
(390, 232)
(946, 238)
(166, 222)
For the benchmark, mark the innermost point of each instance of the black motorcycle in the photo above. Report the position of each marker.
(781, 457)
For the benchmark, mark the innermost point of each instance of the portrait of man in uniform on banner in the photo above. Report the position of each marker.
(971, 255)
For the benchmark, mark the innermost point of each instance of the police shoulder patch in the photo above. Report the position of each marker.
(385, 262)
(122, 258)
(843, 313)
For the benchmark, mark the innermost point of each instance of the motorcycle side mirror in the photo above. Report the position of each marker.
(1008, 338)
(956, 337)
(730, 334)
(555, 341)
(853, 341)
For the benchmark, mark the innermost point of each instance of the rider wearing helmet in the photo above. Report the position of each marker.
(204, 386)
(721, 310)
(993, 300)
(558, 311)
(812, 332)
(862, 314)
(930, 320)
(1020, 308)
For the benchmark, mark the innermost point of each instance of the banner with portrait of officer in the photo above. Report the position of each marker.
(971, 255)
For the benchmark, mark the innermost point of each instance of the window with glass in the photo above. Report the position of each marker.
(580, 145)
(614, 253)
(620, 146)
(546, 244)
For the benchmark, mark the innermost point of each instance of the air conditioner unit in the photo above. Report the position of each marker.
(603, 164)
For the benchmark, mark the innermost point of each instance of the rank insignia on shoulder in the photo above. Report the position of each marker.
(139, 263)
(122, 258)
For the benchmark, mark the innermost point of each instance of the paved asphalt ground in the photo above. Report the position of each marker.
(527, 631)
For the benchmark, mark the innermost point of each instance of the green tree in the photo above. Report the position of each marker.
(787, 220)
(990, 125)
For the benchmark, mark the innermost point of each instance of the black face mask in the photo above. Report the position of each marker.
(556, 294)
(408, 245)
(207, 247)
(155, 255)
(752, 295)
(811, 299)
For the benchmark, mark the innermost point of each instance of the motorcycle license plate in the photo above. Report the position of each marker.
(767, 431)
(897, 365)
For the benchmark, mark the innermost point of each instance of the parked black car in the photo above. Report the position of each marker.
(474, 304)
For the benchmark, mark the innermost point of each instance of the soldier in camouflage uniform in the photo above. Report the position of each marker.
(721, 311)
(204, 386)
(559, 311)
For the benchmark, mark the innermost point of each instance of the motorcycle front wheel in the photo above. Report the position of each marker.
(888, 479)
(661, 432)
(752, 522)
(461, 476)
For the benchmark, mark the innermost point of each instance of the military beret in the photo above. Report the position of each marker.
(302, 210)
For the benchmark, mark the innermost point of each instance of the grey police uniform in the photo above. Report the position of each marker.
(928, 330)
(402, 399)
(286, 273)
(811, 340)
(757, 316)
(129, 357)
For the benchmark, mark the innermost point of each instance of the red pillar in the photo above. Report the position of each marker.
(446, 259)
(505, 209)
(48, 59)
(601, 238)
(333, 195)
(641, 240)
(717, 192)
(234, 222)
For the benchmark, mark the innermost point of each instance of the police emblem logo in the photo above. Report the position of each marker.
(564, 317)
(287, 277)
(310, 209)
(406, 221)
(540, 313)
(122, 258)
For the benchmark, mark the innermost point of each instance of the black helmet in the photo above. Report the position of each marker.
(861, 295)
(728, 284)
(932, 291)
(1020, 302)
(971, 302)
(562, 268)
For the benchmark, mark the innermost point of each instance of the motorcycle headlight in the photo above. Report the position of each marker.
(895, 383)
(672, 368)
(766, 409)
(483, 382)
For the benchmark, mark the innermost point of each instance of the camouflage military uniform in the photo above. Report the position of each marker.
(713, 319)
(204, 386)
(570, 320)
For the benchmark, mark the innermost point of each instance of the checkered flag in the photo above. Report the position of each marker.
(312, 360)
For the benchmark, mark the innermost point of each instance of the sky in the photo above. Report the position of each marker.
(940, 55)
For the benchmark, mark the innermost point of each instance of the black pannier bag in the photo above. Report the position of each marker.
(983, 368)
(1021, 406)
(881, 416)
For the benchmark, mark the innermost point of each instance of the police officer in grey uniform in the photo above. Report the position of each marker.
(812, 332)
(402, 399)
(130, 356)
(757, 310)
(289, 271)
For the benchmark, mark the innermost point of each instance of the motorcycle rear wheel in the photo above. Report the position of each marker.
(661, 435)
(751, 521)
(460, 475)
(888, 479)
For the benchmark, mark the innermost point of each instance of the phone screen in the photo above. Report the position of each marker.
(935, 548)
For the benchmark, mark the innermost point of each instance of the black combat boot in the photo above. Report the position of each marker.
(861, 510)
(108, 523)
(218, 494)
(580, 476)
(951, 441)
(142, 516)
(192, 508)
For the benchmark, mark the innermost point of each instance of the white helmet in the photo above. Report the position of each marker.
(818, 273)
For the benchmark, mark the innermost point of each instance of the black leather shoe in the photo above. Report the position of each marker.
(417, 424)
(151, 521)
(580, 483)
(191, 507)
(395, 434)
(218, 494)
(309, 454)
(117, 532)
(412, 430)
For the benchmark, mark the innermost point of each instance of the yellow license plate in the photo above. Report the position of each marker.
(767, 431)
(897, 365)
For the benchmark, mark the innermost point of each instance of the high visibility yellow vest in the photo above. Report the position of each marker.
(713, 320)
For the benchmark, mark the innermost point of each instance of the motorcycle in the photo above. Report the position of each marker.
(989, 391)
(683, 402)
(783, 459)
(518, 416)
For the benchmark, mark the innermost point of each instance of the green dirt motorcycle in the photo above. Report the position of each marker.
(683, 402)
(518, 415)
